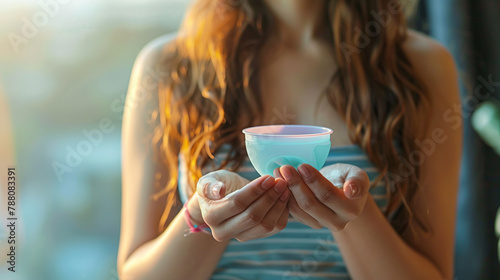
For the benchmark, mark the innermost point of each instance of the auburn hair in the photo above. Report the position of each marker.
(211, 91)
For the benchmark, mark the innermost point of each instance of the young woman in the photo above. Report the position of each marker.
(383, 207)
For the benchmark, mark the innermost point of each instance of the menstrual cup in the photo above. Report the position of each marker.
(271, 146)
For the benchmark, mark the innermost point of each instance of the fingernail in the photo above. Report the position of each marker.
(304, 171)
(354, 190)
(268, 182)
(276, 172)
(285, 195)
(280, 186)
(216, 189)
(286, 172)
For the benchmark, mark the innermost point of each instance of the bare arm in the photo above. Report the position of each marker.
(143, 252)
(371, 248)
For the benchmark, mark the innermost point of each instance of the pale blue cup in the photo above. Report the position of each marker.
(271, 146)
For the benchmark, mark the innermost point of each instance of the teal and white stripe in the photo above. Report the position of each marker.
(298, 252)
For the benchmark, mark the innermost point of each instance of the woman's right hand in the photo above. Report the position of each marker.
(233, 207)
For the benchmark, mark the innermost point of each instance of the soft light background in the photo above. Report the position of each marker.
(64, 81)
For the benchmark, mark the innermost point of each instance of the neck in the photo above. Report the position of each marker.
(298, 21)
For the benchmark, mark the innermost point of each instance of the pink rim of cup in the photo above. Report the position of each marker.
(286, 133)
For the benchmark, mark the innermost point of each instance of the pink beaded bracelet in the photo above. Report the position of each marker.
(193, 228)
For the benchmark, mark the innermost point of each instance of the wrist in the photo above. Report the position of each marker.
(193, 206)
(359, 222)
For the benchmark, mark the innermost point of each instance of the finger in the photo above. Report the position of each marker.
(305, 197)
(282, 222)
(345, 202)
(277, 173)
(329, 195)
(357, 184)
(210, 187)
(235, 202)
(217, 184)
(296, 211)
(301, 215)
(354, 181)
(271, 223)
(255, 213)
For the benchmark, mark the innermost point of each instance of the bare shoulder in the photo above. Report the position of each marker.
(147, 72)
(423, 50)
(434, 65)
(153, 51)
(142, 104)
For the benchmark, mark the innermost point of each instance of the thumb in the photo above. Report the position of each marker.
(209, 187)
(353, 180)
(356, 183)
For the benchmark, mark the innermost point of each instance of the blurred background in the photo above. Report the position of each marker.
(69, 74)
(64, 71)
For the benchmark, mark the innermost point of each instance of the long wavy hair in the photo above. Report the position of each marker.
(212, 93)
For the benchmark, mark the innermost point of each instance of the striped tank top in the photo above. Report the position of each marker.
(298, 252)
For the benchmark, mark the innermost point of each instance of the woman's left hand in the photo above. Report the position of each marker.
(328, 198)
